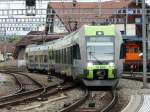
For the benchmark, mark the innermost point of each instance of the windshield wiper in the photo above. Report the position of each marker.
(90, 53)
(108, 53)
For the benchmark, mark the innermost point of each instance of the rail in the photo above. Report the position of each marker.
(112, 103)
(23, 96)
(76, 104)
(16, 92)
(135, 76)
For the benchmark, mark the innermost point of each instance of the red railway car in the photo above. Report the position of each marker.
(132, 57)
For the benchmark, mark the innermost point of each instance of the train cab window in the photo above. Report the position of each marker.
(135, 50)
(131, 50)
(127, 50)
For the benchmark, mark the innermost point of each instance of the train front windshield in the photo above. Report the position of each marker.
(100, 49)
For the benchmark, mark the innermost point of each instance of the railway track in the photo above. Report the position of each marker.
(20, 86)
(12, 69)
(135, 76)
(112, 103)
(76, 104)
(34, 94)
(18, 97)
(24, 82)
(44, 91)
(75, 107)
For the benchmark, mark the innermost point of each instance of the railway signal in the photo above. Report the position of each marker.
(30, 7)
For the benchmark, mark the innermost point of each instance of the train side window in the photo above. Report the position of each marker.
(62, 51)
(71, 55)
(76, 52)
(41, 58)
(68, 55)
(50, 54)
(36, 58)
(62, 56)
(31, 58)
(45, 59)
(56, 57)
(26, 56)
(59, 56)
(65, 56)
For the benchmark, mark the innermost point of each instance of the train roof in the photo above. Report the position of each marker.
(86, 30)
(73, 38)
(108, 30)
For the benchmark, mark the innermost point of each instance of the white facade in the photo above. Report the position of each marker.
(131, 29)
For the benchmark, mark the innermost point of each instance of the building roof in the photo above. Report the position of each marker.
(9, 47)
(34, 37)
(90, 5)
(46, 38)
(85, 12)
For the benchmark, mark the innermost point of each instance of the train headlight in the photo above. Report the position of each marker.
(90, 64)
(141, 54)
(111, 64)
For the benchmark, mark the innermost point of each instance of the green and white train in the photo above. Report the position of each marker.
(90, 54)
